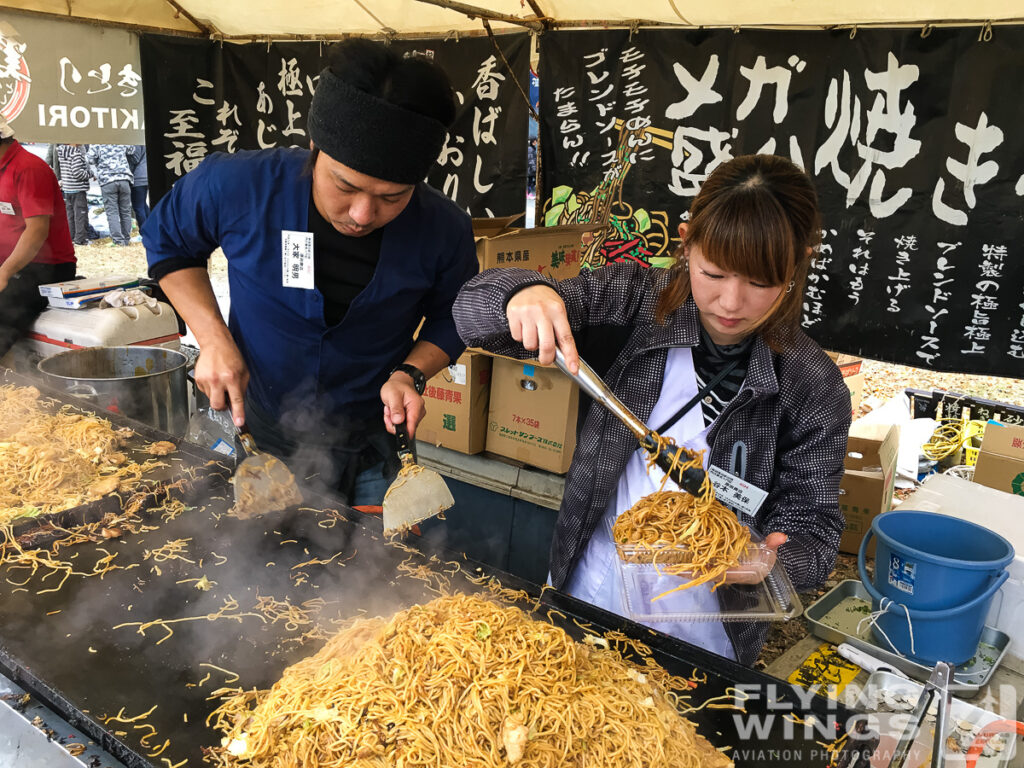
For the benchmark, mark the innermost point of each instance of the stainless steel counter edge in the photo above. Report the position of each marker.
(534, 485)
(24, 745)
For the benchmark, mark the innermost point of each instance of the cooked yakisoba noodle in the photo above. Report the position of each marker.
(462, 680)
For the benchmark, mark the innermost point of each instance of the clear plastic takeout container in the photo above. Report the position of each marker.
(756, 589)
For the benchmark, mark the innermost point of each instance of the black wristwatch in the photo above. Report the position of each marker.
(419, 381)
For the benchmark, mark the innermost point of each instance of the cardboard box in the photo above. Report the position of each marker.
(484, 228)
(866, 488)
(856, 385)
(457, 400)
(552, 251)
(850, 367)
(1001, 459)
(532, 415)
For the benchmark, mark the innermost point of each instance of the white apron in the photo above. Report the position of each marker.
(596, 578)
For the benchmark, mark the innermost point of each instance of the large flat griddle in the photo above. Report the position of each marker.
(62, 645)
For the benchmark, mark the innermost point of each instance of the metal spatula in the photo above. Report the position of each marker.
(262, 482)
(416, 493)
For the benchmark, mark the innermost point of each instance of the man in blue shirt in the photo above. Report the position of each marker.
(334, 256)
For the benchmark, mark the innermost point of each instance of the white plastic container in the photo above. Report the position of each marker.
(998, 511)
(58, 330)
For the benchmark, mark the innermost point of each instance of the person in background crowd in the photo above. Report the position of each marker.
(110, 166)
(74, 181)
(334, 255)
(35, 242)
(531, 166)
(140, 183)
(52, 160)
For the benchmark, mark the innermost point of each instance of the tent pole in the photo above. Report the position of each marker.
(482, 13)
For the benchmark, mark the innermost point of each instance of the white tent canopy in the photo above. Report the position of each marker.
(242, 19)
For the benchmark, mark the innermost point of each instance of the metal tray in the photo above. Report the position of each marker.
(81, 649)
(965, 722)
(835, 615)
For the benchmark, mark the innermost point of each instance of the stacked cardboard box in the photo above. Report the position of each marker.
(866, 488)
(1001, 459)
(551, 251)
(532, 416)
(532, 412)
(853, 376)
(457, 400)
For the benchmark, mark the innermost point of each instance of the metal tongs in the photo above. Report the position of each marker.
(689, 480)
(937, 686)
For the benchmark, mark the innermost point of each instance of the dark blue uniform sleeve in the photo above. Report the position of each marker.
(439, 327)
(182, 230)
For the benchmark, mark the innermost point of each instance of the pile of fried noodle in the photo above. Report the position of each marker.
(461, 681)
(694, 535)
(54, 460)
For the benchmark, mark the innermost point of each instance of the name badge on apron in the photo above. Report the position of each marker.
(737, 494)
(296, 259)
(7, 208)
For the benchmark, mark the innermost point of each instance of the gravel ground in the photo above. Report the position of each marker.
(882, 381)
(101, 257)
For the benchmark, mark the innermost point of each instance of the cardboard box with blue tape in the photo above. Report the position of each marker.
(532, 415)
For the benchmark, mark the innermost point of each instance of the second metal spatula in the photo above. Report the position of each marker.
(416, 493)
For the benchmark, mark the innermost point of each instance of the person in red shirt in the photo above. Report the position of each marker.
(35, 242)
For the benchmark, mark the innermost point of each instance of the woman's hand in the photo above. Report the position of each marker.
(758, 572)
(538, 320)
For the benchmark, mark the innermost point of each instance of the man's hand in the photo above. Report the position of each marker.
(538, 320)
(222, 376)
(3, 282)
(401, 403)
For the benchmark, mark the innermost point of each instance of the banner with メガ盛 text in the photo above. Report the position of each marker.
(912, 140)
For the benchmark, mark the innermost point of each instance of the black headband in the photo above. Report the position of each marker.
(373, 136)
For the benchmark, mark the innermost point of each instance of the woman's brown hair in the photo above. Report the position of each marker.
(755, 215)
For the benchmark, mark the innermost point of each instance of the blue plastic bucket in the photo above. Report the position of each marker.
(929, 561)
(950, 634)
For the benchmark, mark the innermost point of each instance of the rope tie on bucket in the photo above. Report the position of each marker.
(883, 608)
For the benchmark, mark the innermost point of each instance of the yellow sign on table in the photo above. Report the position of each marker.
(825, 670)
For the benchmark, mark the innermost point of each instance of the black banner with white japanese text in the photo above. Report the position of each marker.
(209, 97)
(912, 141)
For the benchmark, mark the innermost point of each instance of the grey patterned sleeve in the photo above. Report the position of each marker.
(479, 309)
(804, 503)
(618, 294)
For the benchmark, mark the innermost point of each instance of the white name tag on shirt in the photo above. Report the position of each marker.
(7, 208)
(737, 494)
(296, 259)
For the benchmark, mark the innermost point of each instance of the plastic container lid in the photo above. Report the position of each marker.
(757, 589)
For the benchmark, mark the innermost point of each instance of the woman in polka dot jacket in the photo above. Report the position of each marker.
(778, 419)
